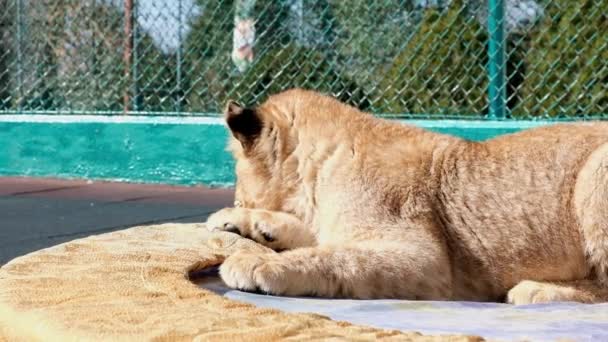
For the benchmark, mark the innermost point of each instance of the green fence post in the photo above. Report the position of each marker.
(19, 55)
(135, 65)
(128, 55)
(496, 59)
(178, 69)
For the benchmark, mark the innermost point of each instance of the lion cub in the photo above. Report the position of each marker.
(369, 208)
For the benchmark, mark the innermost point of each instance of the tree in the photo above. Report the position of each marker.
(72, 57)
(441, 69)
(286, 56)
(297, 67)
(370, 34)
(72, 60)
(5, 55)
(155, 88)
(566, 70)
(207, 56)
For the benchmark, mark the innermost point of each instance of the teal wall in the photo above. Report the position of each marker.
(170, 153)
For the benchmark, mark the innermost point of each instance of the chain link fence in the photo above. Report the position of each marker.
(407, 58)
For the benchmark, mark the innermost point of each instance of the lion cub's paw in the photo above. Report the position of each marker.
(241, 221)
(233, 220)
(255, 272)
(532, 292)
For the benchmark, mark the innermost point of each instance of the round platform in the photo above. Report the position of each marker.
(134, 285)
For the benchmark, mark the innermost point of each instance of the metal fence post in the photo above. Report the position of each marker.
(127, 56)
(19, 55)
(136, 103)
(178, 69)
(497, 96)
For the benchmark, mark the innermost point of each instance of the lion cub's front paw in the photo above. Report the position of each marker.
(233, 220)
(254, 272)
(241, 221)
(532, 292)
(524, 293)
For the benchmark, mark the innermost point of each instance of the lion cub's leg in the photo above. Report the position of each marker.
(591, 205)
(584, 291)
(367, 270)
(273, 229)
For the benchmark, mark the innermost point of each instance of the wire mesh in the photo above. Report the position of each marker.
(406, 58)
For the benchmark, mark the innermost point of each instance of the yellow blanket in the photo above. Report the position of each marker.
(133, 285)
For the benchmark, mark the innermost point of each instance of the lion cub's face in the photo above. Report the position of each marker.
(262, 146)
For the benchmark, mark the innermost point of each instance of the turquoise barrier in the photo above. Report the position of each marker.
(152, 150)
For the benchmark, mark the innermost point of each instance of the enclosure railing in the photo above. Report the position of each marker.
(476, 59)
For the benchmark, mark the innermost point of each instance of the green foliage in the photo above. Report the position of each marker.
(370, 34)
(441, 70)
(280, 63)
(65, 62)
(293, 66)
(566, 69)
(157, 88)
(207, 55)
(387, 56)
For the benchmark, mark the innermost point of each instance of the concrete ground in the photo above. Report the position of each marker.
(38, 213)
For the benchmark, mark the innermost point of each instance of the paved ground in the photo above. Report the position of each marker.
(38, 213)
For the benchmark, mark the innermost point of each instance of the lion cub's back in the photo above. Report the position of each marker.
(509, 201)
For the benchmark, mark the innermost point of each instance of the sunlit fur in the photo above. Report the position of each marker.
(370, 208)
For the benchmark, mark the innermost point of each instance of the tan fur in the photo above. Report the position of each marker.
(369, 208)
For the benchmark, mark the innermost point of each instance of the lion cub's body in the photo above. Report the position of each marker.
(393, 211)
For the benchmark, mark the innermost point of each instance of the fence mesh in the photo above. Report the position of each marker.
(411, 58)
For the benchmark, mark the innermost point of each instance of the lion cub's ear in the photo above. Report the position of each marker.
(244, 123)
